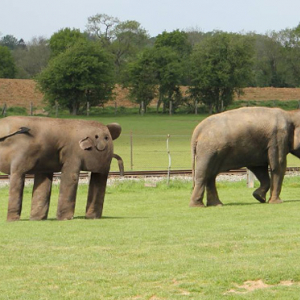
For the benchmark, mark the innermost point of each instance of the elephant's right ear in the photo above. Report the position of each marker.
(114, 129)
(86, 143)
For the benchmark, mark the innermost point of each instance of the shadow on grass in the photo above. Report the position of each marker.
(82, 218)
(258, 203)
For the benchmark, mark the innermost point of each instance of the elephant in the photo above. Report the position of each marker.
(43, 146)
(258, 138)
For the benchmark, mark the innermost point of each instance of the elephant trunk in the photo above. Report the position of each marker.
(120, 163)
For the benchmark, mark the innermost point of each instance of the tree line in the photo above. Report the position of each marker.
(73, 67)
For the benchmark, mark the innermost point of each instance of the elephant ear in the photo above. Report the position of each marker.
(86, 143)
(114, 129)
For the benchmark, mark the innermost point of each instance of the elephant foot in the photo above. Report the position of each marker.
(275, 201)
(64, 217)
(37, 218)
(196, 204)
(214, 203)
(261, 197)
(12, 217)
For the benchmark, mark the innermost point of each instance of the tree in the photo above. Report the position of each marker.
(270, 65)
(123, 39)
(63, 39)
(7, 65)
(10, 42)
(221, 65)
(290, 40)
(32, 59)
(84, 72)
(142, 81)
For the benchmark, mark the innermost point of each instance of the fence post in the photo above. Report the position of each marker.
(56, 109)
(250, 179)
(4, 110)
(170, 161)
(31, 109)
(116, 107)
(88, 108)
(142, 108)
(131, 151)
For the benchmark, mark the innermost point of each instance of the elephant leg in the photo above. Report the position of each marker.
(15, 199)
(277, 175)
(41, 196)
(262, 174)
(96, 195)
(212, 194)
(67, 195)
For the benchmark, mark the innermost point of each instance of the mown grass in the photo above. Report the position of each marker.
(151, 245)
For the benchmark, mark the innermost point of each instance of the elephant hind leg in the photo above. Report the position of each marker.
(16, 188)
(212, 193)
(262, 174)
(41, 196)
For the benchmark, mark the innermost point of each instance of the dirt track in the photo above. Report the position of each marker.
(21, 92)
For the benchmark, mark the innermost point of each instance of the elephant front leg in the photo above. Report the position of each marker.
(96, 195)
(41, 196)
(15, 199)
(67, 195)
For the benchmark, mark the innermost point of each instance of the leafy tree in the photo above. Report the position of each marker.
(84, 72)
(290, 39)
(7, 65)
(123, 39)
(221, 66)
(177, 40)
(63, 39)
(142, 81)
(32, 59)
(270, 64)
(10, 42)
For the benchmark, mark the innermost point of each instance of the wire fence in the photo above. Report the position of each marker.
(153, 152)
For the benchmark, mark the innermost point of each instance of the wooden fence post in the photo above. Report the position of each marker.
(250, 179)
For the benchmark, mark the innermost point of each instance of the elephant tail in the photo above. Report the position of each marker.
(194, 146)
(120, 163)
(20, 131)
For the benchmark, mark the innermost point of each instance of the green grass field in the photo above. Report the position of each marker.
(151, 245)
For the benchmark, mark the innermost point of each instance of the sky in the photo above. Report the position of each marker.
(33, 18)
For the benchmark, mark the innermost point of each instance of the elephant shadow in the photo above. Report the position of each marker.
(257, 203)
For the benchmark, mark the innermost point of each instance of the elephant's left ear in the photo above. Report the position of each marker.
(86, 143)
(114, 129)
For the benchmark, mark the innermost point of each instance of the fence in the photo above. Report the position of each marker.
(153, 152)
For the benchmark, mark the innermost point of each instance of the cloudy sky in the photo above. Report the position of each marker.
(29, 18)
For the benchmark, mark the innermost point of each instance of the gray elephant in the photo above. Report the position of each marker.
(254, 137)
(42, 146)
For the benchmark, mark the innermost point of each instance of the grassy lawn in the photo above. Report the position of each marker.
(151, 245)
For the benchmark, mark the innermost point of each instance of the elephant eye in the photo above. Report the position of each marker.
(96, 136)
(106, 138)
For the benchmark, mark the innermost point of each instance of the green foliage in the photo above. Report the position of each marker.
(221, 65)
(84, 72)
(150, 244)
(32, 59)
(7, 64)
(64, 39)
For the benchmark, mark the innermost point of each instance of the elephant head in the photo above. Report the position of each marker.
(101, 139)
